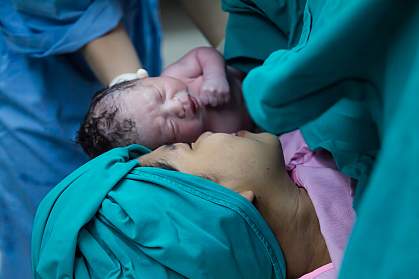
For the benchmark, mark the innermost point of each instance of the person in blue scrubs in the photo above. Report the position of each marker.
(52, 54)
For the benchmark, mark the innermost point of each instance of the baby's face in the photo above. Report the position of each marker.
(164, 111)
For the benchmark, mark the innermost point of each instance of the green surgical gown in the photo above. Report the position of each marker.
(351, 83)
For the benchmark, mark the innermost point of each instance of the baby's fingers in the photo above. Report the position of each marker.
(217, 94)
(214, 100)
(204, 99)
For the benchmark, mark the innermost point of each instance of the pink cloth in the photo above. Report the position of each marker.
(323, 272)
(329, 190)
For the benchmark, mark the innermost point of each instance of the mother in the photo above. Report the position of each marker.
(114, 217)
(345, 72)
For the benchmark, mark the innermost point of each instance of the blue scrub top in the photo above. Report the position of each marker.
(45, 90)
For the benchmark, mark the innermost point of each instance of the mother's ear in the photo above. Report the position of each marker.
(248, 195)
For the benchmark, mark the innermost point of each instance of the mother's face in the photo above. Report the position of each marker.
(241, 161)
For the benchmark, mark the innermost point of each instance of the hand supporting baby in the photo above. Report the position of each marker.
(208, 64)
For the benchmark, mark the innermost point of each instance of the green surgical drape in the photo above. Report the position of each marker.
(351, 83)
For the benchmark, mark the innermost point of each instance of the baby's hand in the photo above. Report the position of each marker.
(214, 91)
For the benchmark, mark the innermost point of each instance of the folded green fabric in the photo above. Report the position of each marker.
(257, 28)
(112, 218)
(351, 84)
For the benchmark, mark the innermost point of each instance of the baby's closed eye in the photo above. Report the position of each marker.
(171, 130)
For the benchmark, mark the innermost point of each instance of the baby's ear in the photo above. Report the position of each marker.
(248, 195)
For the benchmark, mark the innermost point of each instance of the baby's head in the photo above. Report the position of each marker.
(151, 112)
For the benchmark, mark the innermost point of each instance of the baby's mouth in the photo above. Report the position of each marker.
(195, 106)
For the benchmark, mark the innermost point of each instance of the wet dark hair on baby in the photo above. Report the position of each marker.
(103, 127)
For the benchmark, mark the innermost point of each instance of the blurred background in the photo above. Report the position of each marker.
(181, 33)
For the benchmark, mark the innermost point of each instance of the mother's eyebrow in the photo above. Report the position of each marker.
(170, 147)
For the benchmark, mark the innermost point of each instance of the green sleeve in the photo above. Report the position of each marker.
(319, 86)
(256, 29)
(351, 85)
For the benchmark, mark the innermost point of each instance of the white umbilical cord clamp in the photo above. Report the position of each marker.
(140, 74)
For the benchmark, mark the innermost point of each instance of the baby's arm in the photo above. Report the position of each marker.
(208, 63)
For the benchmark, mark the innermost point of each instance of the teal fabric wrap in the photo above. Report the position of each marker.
(112, 218)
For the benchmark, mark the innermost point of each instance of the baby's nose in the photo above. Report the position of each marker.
(174, 108)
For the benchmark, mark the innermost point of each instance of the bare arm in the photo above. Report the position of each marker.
(209, 18)
(186, 67)
(111, 55)
(208, 63)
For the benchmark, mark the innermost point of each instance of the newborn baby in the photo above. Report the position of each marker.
(196, 94)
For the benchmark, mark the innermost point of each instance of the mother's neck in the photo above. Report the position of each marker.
(292, 217)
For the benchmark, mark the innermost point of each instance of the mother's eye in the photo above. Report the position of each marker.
(162, 164)
(170, 147)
